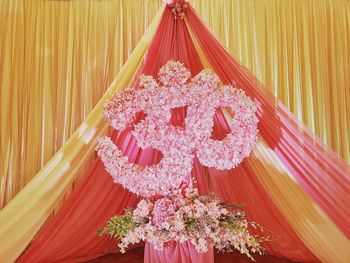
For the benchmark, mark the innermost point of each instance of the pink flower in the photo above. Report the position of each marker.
(200, 221)
(143, 209)
(163, 211)
(172, 89)
(169, 2)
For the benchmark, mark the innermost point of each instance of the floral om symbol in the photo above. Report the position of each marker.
(179, 145)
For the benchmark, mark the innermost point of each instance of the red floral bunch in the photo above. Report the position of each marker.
(178, 8)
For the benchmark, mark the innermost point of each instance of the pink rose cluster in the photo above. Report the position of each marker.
(202, 220)
(163, 211)
(178, 145)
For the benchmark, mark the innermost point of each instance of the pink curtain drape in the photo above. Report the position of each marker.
(71, 235)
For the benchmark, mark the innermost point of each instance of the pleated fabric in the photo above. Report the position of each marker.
(292, 184)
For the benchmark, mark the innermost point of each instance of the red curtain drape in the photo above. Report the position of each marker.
(321, 172)
(71, 235)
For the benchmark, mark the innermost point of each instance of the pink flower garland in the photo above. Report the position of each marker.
(178, 145)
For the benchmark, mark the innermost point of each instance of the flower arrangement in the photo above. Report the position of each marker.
(181, 214)
(178, 8)
(174, 88)
(185, 216)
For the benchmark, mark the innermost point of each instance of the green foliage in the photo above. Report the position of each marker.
(118, 226)
(190, 225)
(233, 226)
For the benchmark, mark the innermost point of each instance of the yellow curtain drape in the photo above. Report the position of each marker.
(56, 60)
(308, 220)
(314, 227)
(58, 57)
(299, 50)
(36, 201)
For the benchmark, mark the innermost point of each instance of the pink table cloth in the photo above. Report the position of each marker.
(175, 252)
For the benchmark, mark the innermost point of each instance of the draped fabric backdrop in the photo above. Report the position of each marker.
(58, 57)
(292, 183)
(56, 60)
